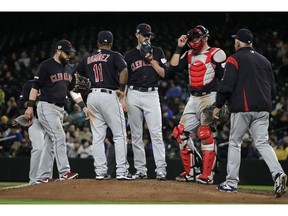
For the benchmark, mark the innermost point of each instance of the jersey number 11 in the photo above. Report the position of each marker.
(97, 68)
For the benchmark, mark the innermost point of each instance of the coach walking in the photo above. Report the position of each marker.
(248, 84)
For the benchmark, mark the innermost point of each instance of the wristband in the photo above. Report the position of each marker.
(81, 104)
(178, 50)
(122, 87)
(31, 103)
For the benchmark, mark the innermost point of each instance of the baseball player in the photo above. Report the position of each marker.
(248, 84)
(145, 71)
(107, 71)
(54, 79)
(205, 69)
(37, 137)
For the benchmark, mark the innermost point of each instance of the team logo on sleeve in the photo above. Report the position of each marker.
(163, 60)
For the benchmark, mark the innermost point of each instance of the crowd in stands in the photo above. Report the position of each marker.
(22, 51)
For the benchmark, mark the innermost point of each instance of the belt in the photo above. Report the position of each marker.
(108, 91)
(57, 104)
(143, 89)
(199, 94)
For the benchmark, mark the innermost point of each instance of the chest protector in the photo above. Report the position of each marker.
(200, 68)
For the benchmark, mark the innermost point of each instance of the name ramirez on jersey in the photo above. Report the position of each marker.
(98, 57)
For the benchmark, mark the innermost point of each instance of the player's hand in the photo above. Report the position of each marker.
(149, 57)
(215, 114)
(124, 105)
(182, 41)
(28, 113)
(122, 99)
(86, 111)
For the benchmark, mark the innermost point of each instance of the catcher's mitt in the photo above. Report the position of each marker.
(21, 121)
(146, 50)
(223, 115)
(82, 84)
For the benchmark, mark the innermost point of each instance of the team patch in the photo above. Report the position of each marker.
(163, 60)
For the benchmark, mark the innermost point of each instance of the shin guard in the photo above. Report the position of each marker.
(187, 160)
(208, 148)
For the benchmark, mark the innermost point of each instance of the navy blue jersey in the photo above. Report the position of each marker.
(141, 73)
(248, 82)
(24, 96)
(54, 81)
(102, 67)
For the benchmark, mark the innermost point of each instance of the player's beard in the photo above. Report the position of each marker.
(63, 60)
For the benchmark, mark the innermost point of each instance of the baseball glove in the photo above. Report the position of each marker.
(146, 50)
(21, 121)
(223, 115)
(82, 84)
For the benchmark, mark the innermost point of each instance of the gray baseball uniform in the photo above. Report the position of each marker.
(54, 79)
(143, 102)
(104, 68)
(36, 136)
(248, 84)
(204, 66)
(257, 123)
(51, 118)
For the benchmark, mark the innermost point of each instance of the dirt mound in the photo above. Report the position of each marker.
(138, 191)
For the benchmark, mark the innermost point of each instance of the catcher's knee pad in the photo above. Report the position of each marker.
(206, 136)
(181, 136)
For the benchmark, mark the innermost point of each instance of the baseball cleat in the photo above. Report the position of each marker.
(104, 176)
(183, 177)
(126, 176)
(69, 176)
(160, 176)
(224, 187)
(139, 175)
(202, 180)
(47, 180)
(280, 184)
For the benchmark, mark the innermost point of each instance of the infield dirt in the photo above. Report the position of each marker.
(138, 191)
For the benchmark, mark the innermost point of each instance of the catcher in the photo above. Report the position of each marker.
(205, 66)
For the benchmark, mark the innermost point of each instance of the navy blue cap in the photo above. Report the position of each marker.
(144, 29)
(244, 35)
(65, 46)
(105, 37)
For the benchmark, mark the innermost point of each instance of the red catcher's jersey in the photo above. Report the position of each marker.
(200, 67)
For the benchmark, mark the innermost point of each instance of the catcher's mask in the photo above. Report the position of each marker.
(197, 37)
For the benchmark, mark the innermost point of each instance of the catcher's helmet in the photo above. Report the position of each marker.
(196, 37)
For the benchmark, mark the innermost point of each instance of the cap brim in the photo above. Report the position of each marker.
(146, 33)
(70, 50)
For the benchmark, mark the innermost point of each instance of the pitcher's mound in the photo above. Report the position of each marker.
(137, 191)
